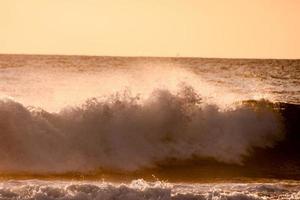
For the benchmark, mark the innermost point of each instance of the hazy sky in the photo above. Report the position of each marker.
(210, 28)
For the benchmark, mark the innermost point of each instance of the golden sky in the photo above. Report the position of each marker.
(198, 28)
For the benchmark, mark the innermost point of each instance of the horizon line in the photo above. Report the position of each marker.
(137, 56)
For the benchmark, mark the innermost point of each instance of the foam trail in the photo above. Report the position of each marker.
(143, 190)
(121, 129)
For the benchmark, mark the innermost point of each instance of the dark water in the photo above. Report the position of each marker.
(180, 119)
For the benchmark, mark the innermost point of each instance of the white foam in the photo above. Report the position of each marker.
(65, 190)
(106, 134)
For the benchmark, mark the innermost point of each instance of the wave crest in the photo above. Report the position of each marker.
(122, 133)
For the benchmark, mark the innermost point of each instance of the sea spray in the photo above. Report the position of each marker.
(107, 133)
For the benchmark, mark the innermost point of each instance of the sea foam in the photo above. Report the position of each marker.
(142, 190)
(105, 134)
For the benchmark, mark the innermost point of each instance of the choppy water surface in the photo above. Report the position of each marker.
(142, 190)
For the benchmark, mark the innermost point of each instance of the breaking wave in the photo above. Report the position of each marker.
(105, 134)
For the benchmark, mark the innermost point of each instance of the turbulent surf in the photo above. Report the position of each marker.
(142, 190)
(181, 119)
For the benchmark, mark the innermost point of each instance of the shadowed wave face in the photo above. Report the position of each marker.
(107, 134)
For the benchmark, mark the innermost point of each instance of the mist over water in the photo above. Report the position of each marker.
(54, 82)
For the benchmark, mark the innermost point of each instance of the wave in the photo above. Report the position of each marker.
(123, 134)
(140, 189)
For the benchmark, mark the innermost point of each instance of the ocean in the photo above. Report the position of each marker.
(87, 127)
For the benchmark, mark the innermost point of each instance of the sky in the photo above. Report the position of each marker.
(188, 28)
